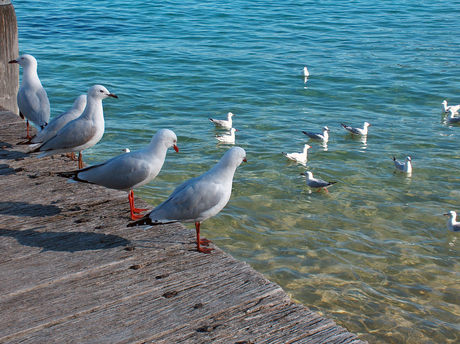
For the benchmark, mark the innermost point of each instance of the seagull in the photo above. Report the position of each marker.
(299, 157)
(357, 131)
(305, 72)
(324, 136)
(452, 223)
(222, 122)
(199, 198)
(451, 117)
(316, 183)
(453, 108)
(228, 139)
(129, 171)
(59, 121)
(81, 133)
(33, 101)
(405, 166)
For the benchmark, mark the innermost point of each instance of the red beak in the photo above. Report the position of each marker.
(176, 148)
(13, 61)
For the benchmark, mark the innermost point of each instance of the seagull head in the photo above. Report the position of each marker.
(325, 128)
(452, 214)
(25, 60)
(168, 137)
(307, 174)
(100, 92)
(366, 124)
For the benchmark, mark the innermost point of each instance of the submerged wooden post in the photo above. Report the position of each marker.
(9, 50)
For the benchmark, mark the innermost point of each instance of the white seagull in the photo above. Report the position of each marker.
(59, 121)
(199, 198)
(299, 157)
(453, 108)
(129, 171)
(452, 223)
(222, 122)
(357, 131)
(228, 139)
(81, 133)
(33, 101)
(452, 117)
(324, 136)
(405, 166)
(305, 72)
(316, 183)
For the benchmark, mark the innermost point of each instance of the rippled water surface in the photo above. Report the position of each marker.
(374, 254)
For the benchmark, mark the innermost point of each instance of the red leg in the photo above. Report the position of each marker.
(203, 241)
(135, 210)
(28, 135)
(72, 156)
(132, 209)
(80, 160)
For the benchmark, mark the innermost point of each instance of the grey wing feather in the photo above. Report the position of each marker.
(315, 136)
(189, 201)
(399, 165)
(73, 134)
(35, 106)
(318, 183)
(122, 172)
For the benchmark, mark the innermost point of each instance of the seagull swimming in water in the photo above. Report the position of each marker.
(299, 157)
(316, 183)
(452, 223)
(33, 102)
(227, 139)
(452, 117)
(127, 172)
(405, 166)
(324, 136)
(357, 131)
(453, 108)
(222, 122)
(305, 72)
(199, 198)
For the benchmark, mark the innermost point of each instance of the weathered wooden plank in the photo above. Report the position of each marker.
(9, 82)
(72, 271)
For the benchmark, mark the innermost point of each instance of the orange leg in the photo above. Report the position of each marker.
(202, 241)
(72, 156)
(132, 208)
(80, 160)
(28, 135)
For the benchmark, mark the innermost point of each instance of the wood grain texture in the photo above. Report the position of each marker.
(72, 272)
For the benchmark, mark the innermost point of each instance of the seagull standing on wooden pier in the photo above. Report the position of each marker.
(33, 101)
(199, 198)
(129, 171)
(81, 133)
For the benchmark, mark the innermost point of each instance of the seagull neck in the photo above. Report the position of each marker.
(224, 169)
(30, 77)
(93, 109)
(157, 148)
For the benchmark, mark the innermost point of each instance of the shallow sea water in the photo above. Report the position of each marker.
(374, 254)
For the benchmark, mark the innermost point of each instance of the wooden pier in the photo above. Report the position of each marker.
(72, 272)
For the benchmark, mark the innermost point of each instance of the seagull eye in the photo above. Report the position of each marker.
(101, 91)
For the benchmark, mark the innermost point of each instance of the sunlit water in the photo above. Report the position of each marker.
(374, 254)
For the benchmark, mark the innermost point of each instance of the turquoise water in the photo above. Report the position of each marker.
(374, 254)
